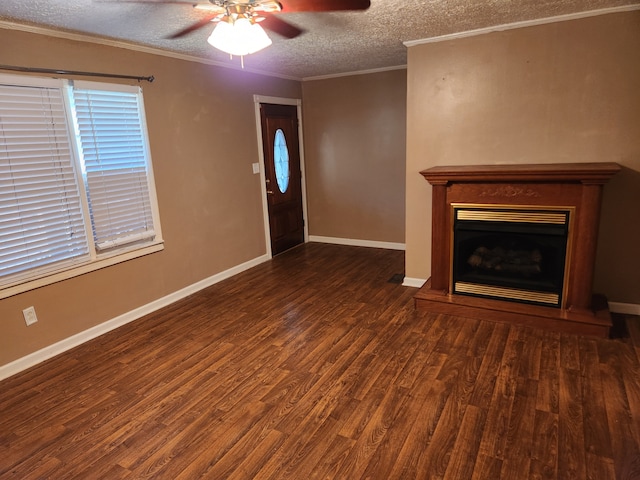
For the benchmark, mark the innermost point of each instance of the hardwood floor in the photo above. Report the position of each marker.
(314, 365)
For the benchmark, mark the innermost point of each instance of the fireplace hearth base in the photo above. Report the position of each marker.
(576, 187)
(593, 322)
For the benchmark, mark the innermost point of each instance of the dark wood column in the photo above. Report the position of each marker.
(580, 293)
(440, 225)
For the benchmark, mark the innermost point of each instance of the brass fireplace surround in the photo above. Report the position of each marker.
(515, 214)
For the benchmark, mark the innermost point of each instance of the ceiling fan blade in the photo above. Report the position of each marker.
(188, 3)
(276, 25)
(290, 6)
(194, 26)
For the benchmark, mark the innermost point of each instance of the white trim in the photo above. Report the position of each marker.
(359, 72)
(135, 47)
(276, 100)
(615, 307)
(303, 173)
(357, 242)
(68, 343)
(107, 261)
(626, 308)
(263, 186)
(409, 43)
(413, 282)
(73, 341)
(527, 23)
(94, 259)
(257, 100)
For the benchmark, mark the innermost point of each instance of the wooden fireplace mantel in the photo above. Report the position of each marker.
(576, 185)
(598, 173)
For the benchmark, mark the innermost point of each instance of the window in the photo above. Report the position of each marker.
(281, 160)
(76, 183)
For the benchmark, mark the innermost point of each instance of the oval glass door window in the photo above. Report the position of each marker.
(281, 160)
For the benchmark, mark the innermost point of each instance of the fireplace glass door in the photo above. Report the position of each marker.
(510, 253)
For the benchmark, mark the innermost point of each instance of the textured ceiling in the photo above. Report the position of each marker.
(333, 43)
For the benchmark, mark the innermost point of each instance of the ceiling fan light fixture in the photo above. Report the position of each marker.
(239, 36)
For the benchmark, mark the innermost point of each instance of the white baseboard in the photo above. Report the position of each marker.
(615, 307)
(46, 353)
(68, 343)
(357, 242)
(413, 282)
(626, 308)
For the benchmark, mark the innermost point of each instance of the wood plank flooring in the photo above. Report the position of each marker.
(315, 366)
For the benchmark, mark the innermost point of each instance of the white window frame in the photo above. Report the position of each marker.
(96, 260)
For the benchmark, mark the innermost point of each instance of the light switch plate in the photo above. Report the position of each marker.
(30, 315)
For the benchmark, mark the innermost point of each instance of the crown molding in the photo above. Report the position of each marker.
(358, 72)
(79, 37)
(527, 23)
(410, 43)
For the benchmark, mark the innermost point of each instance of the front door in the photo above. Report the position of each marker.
(282, 175)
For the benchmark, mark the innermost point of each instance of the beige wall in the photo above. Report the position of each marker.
(203, 141)
(355, 137)
(562, 92)
(556, 93)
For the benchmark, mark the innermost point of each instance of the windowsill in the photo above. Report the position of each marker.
(80, 270)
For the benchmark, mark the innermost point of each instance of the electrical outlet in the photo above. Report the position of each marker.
(30, 315)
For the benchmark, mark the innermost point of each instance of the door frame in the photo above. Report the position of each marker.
(257, 100)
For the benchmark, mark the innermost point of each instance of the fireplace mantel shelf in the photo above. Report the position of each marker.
(575, 185)
(569, 172)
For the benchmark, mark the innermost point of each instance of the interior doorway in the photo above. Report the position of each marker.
(281, 173)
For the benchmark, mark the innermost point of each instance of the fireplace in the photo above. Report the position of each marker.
(517, 244)
(511, 253)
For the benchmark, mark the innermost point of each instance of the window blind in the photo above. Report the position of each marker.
(41, 220)
(113, 146)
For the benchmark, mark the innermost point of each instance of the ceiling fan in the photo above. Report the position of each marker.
(263, 12)
(240, 23)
